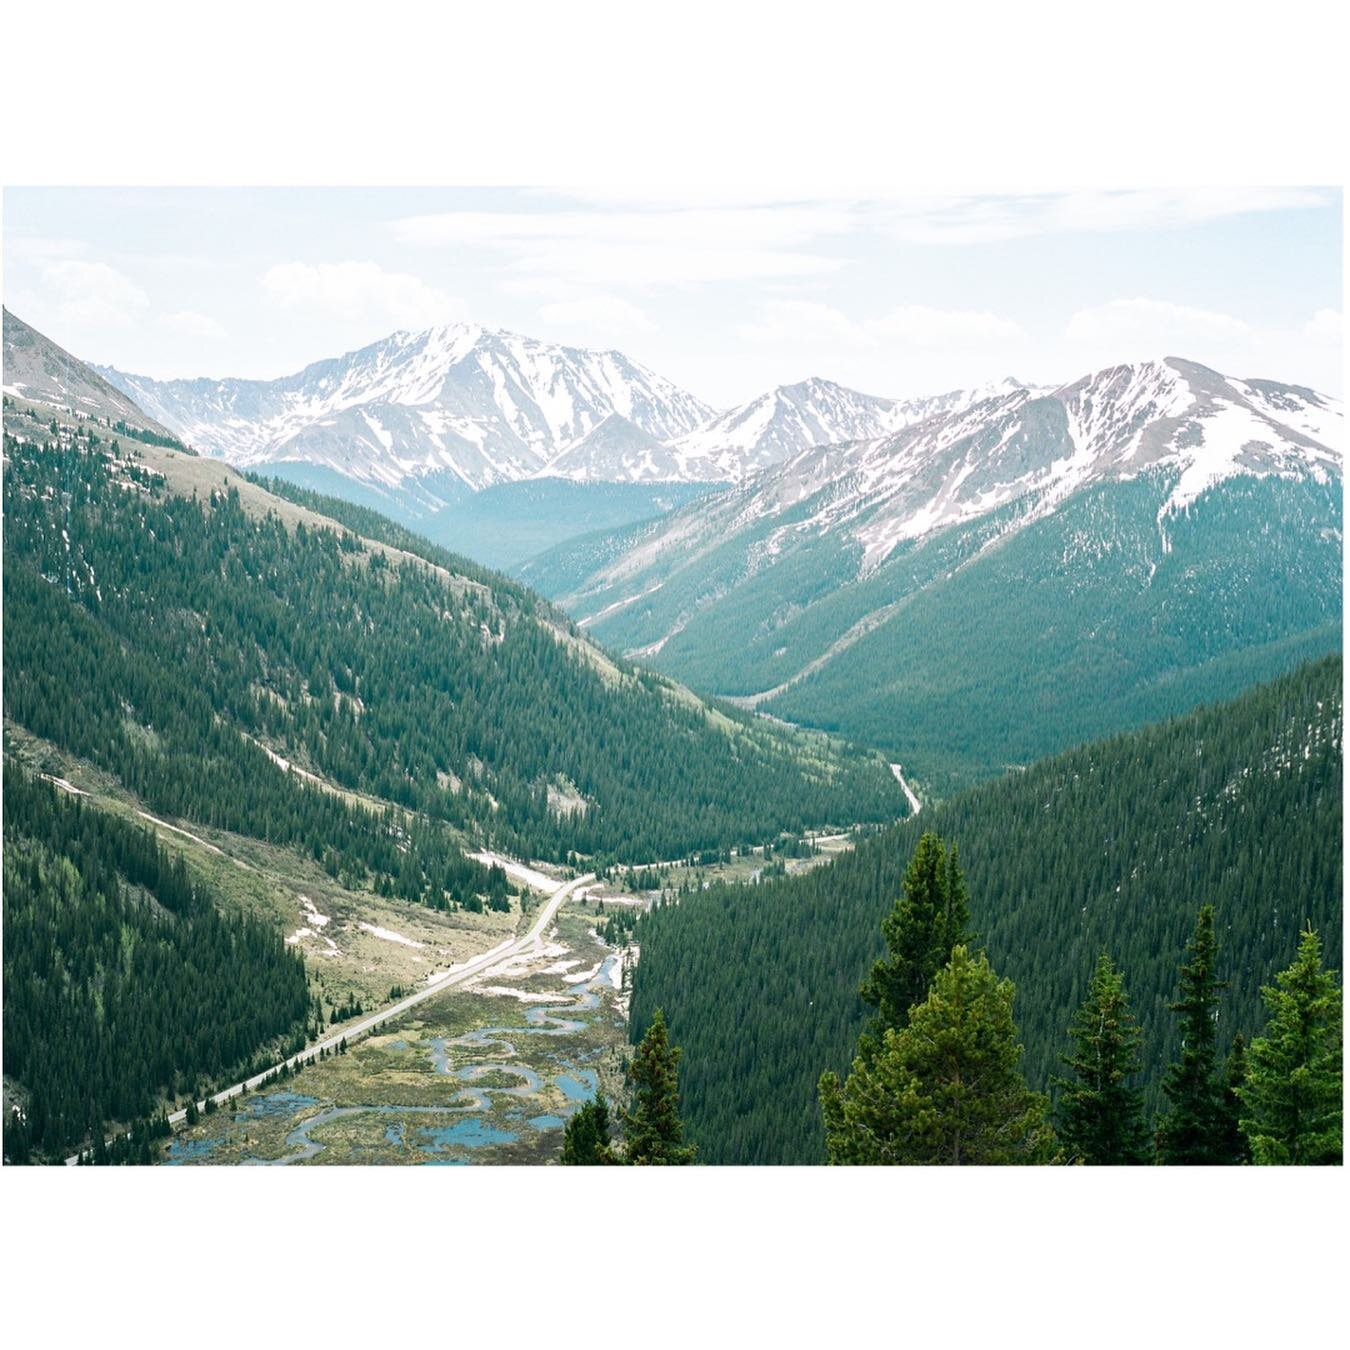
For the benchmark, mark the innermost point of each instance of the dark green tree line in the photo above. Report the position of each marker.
(123, 984)
(1111, 847)
(168, 639)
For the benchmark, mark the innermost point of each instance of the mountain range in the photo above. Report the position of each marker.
(313, 696)
(310, 706)
(473, 436)
(496, 661)
(460, 406)
(903, 573)
(1097, 537)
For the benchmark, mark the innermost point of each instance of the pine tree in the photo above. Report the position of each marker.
(586, 1136)
(653, 1133)
(947, 1088)
(1100, 1116)
(924, 925)
(1235, 1147)
(1192, 1131)
(1292, 1095)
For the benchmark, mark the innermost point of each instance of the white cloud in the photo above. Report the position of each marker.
(810, 323)
(92, 293)
(360, 291)
(1324, 326)
(702, 227)
(755, 221)
(648, 265)
(189, 323)
(978, 220)
(642, 249)
(604, 312)
(36, 247)
(1156, 325)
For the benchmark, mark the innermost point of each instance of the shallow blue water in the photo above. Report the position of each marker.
(279, 1104)
(191, 1150)
(468, 1133)
(545, 1122)
(580, 1086)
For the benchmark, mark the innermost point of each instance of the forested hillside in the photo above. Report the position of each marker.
(169, 639)
(1110, 847)
(124, 984)
(1000, 580)
(1088, 622)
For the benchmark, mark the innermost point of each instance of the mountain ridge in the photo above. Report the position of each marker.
(486, 405)
(40, 371)
(434, 672)
(817, 590)
(489, 406)
(956, 465)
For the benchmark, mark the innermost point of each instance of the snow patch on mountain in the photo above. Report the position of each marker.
(485, 406)
(777, 425)
(1005, 446)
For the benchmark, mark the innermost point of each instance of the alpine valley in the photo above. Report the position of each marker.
(465, 724)
(1013, 572)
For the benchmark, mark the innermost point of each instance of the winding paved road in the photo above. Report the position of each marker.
(476, 966)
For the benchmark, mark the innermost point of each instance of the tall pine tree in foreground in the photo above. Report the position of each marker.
(652, 1131)
(1100, 1115)
(1192, 1130)
(1292, 1094)
(586, 1141)
(930, 918)
(947, 1088)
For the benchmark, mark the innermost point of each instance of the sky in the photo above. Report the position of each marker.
(726, 294)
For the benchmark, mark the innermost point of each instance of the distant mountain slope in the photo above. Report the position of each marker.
(39, 371)
(616, 450)
(180, 626)
(999, 580)
(484, 407)
(1111, 847)
(796, 417)
(419, 422)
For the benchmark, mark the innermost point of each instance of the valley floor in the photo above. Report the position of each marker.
(487, 1073)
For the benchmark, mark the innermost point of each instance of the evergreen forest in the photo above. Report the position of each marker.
(1112, 847)
(124, 982)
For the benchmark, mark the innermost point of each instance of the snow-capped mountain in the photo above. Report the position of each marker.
(795, 417)
(616, 451)
(483, 406)
(463, 404)
(1094, 555)
(1010, 443)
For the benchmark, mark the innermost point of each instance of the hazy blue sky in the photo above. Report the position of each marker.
(725, 295)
